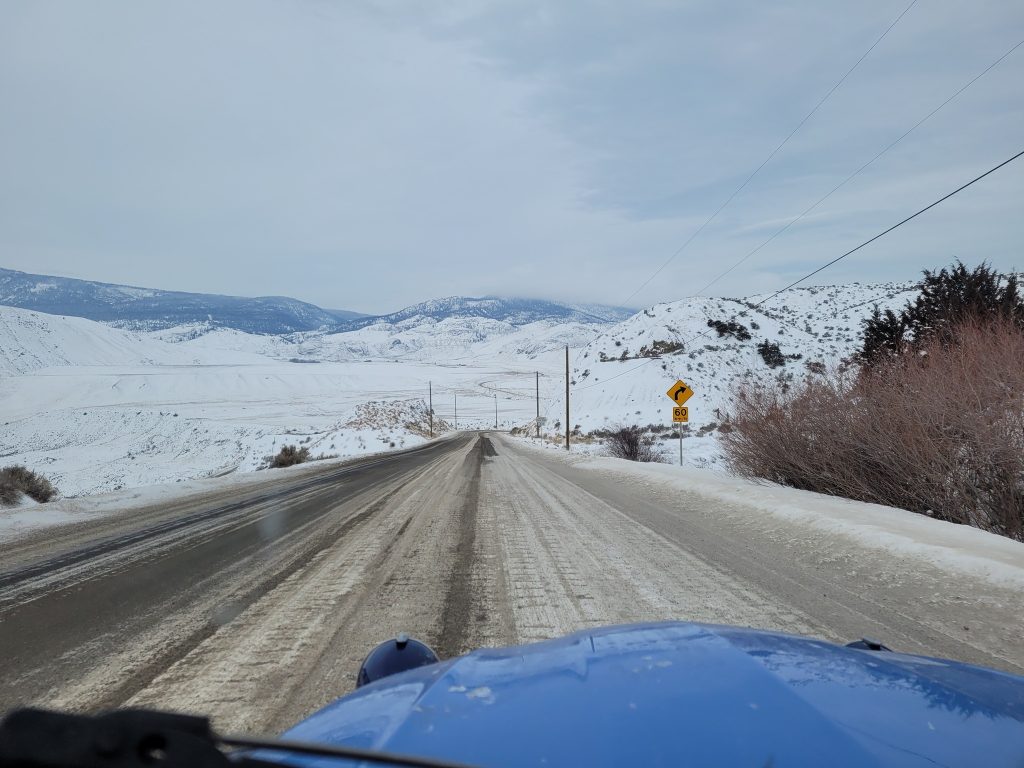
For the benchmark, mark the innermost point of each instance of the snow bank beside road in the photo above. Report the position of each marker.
(977, 553)
(28, 516)
(981, 554)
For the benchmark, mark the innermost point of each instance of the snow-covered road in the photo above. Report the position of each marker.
(258, 608)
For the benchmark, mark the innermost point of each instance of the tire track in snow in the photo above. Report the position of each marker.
(573, 561)
(459, 601)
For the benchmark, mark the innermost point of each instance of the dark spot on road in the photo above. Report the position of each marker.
(402, 530)
(459, 602)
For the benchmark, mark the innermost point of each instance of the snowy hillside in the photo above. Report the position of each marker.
(621, 376)
(450, 339)
(202, 338)
(460, 329)
(31, 341)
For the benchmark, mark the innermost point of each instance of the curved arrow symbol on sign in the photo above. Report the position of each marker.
(679, 392)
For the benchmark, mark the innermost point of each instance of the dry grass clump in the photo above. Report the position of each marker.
(289, 455)
(633, 443)
(939, 430)
(17, 480)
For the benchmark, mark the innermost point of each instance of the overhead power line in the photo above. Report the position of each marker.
(849, 178)
(894, 226)
(860, 170)
(836, 260)
(774, 152)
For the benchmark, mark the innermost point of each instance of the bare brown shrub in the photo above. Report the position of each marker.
(17, 480)
(938, 431)
(633, 443)
(8, 494)
(290, 455)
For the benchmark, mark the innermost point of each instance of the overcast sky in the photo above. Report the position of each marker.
(369, 155)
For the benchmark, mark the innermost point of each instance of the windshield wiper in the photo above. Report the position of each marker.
(143, 738)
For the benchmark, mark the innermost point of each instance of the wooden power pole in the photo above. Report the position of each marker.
(538, 402)
(430, 405)
(567, 397)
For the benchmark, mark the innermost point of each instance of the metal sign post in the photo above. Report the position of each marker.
(567, 397)
(679, 393)
(680, 416)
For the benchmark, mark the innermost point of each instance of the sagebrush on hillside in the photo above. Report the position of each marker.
(17, 480)
(939, 431)
(633, 443)
(290, 455)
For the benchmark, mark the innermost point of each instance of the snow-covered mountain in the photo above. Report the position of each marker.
(449, 339)
(147, 309)
(452, 329)
(512, 311)
(150, 309)
(460, 328)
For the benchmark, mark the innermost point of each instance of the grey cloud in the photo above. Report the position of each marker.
(371, 155)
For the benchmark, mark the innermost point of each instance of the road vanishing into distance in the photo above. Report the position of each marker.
(255, 604)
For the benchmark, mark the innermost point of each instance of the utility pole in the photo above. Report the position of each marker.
(538, 403)
(430, 406)
(495, 411)
(456, 411)
(567, 397)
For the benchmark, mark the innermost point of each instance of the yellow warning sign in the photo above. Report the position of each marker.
(679, 393)
(680, 414)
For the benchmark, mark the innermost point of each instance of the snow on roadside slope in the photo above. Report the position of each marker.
(614, 384)
(105, 428)
(28, 516)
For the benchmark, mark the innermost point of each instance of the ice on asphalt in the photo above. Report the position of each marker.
(988, 556)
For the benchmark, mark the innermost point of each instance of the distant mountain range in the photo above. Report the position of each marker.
(147, 309)
(507, 310)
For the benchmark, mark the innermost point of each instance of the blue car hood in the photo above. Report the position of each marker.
(679, 694)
